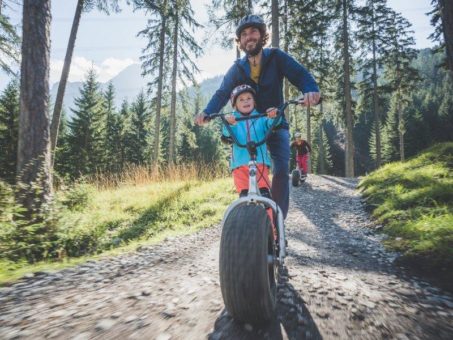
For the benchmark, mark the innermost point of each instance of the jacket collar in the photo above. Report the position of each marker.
(244, 62)
(238, 114)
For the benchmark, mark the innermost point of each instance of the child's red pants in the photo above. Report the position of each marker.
(241, 181)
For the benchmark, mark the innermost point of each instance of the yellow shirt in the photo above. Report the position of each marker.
(255, 72)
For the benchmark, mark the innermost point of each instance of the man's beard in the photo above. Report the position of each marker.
(255, 51)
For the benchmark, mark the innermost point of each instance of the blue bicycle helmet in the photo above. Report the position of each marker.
(251, 20)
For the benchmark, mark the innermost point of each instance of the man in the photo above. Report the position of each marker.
(264, 70)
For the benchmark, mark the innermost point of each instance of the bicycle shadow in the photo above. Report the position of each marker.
(293, 320)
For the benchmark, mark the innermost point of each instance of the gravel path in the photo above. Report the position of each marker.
(339, 283)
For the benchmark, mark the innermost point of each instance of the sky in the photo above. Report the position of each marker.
(110, 43)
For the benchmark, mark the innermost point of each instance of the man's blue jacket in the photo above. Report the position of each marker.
(275, 65)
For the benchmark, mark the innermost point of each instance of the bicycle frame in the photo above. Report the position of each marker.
(254, 195)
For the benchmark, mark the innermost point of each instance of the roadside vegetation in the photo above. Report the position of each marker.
(105, 215)
(414, 202)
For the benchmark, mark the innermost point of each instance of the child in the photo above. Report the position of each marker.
(243, 102)
(302, 151)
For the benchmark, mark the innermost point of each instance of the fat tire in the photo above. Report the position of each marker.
(247, 282)
(295, 178)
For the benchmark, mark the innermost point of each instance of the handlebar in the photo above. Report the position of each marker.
(280, 112)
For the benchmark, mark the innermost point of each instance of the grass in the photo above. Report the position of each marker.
(414, 202)
(119, 218)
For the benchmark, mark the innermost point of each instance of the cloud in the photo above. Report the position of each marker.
(80, 66)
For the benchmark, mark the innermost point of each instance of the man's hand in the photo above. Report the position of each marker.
(231, 119)
(272, 112)
(310, 98)
(200, 119)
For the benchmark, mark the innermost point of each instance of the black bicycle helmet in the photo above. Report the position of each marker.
(239, 90)
(251, 20)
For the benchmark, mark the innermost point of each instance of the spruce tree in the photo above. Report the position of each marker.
(372, 34)
(308, 39)
(225, 15)
(112, 132)
(9, 129)
(390, 135)
(134, 131)
(124, 133)
(344, 10)
(9, 44)
(154, 62)
(401, 77)
(442, 20)
(184, 68)
(87, 128)
(62, 162)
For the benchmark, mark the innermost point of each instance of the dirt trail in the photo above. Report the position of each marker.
(339, 283)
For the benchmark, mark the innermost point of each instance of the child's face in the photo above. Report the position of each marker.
(298, 140)
(245, 103)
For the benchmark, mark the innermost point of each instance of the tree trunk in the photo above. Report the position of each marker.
(275, 18)
(349, 171)
(447, 26)
(309, 136)
(171, 153)
(377, 116)
(159, 87)
(63, 80)
(401, 128)
(33, 156)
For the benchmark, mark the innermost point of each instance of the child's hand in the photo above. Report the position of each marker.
(272, 112)
(231, 119)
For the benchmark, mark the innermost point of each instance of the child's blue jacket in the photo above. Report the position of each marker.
(249, 130)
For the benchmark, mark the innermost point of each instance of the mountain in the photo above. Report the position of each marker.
(128, 84)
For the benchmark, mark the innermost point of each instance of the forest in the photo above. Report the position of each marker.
(383, 100)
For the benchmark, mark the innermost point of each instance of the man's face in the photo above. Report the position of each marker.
(245, 103)
(250, 40)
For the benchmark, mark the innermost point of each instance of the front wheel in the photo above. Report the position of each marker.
(295, 177)
(247, 266)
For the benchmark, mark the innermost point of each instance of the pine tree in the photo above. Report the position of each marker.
(87, 128)
(86, 6)
(390, 135)
(112, 132)
(184, 68)
(308, 40)
(402, 78)
(134, 131)
(62, 165)
(225, 23)
(372, 34)
(321, 155)
(343, 10)
(9, 44)
(153, 62)
(9, 129)
(442, 20)
(124, 133)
